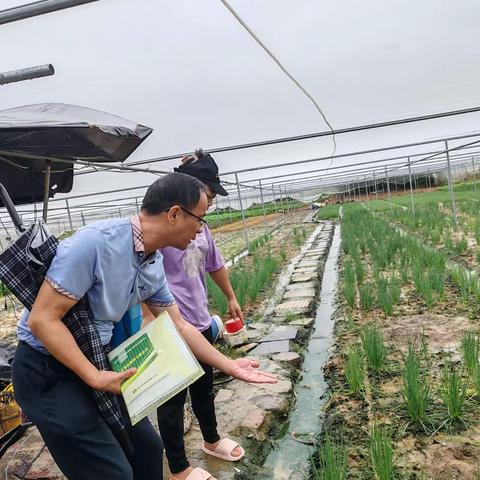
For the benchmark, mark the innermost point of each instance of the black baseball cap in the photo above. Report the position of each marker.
(203, 167)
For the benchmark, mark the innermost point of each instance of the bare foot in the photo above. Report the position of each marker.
(236, 452)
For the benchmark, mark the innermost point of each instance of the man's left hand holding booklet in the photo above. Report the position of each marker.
(165, 366)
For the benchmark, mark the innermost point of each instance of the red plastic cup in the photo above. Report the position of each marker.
(234, 325)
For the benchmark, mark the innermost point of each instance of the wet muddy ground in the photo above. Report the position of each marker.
(439, 449)
(230, 239)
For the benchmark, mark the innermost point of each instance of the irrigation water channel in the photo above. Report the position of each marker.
(289, 460)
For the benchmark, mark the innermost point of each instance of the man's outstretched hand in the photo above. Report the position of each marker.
(246, 370)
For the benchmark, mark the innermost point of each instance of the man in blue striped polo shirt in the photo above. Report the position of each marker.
(115, 264)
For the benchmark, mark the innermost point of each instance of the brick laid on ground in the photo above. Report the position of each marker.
(287, 357)
(303, 277)
(270, 402)
(284, 332)
(303, 269)
(258, 325)
(294, 306)
(254, 334)
(266, 348)
(299, 293)
(300, 285)
(315, 256)
(252, 424)
(316, 253)
(315, 250)
(307, 263)
(302, 322)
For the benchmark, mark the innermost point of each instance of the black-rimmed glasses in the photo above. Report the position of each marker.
(202, 221)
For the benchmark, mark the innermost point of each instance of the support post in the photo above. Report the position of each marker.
(229, 209)
(282, 199)
(263, 203)
(245, 234)
(474, 175)
(69, 215)
(218, 211)
(274, 199)
(388, 187)
(291, 203)
(411, 186)
(46, 189)
(366, 191)
(450, 184)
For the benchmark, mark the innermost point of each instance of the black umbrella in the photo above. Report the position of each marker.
(32, 137)
(32, 140)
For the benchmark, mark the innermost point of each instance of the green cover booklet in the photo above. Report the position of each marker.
(165, 366)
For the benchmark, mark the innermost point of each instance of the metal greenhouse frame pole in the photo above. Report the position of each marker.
(29, 73)
(40, 7)
(69, 215)
(411, 186)
(274, 199)
(474, 176)
(450, 186)
(245, 234)
(261, 196)
(326, 133)
(366, 190)
(388, 187)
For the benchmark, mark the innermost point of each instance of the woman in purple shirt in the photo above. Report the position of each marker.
(185, 271)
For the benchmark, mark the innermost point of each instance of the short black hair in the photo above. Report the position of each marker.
(173, 189)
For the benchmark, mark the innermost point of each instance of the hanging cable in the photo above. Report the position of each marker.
(284, 70)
